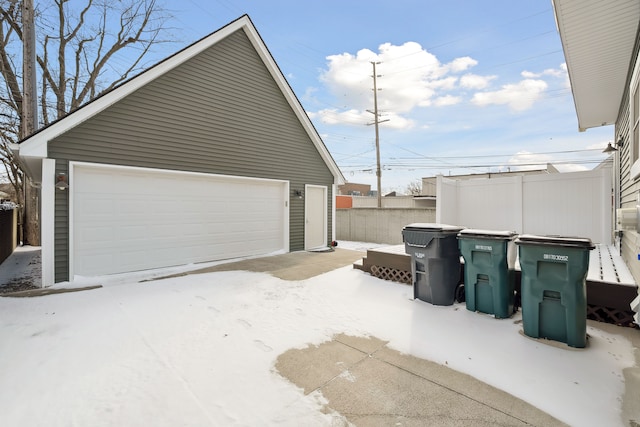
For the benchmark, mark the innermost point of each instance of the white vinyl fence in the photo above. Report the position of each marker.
(578, 204)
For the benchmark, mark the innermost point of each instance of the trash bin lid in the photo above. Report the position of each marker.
(570, 242)
(428, 226)
(472, 233)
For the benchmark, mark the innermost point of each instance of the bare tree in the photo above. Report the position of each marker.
(414, 188)
(85, 47)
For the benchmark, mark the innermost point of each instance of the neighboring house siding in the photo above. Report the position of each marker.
(629, 188)
(220, 112)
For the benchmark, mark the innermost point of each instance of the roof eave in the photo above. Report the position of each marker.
(598, 40)
(30, 164)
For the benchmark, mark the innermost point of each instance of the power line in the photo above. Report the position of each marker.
(441, 162)
(490, 30)
(481, 168)
(512, 154)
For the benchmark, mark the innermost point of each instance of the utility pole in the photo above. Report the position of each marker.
(29, 98)
(29, 121)
(376, 122)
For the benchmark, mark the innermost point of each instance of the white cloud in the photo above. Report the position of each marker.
(599, 145)
(461, 64)
(519, 96)
(397, 121)
(571, 167)
(474, 81)
(410, 77)
(447, 100)
(447, 83)
(525, 160)
(332, 116)
(567, 82)
(309, 94)
(554, 72)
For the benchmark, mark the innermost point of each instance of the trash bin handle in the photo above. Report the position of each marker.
(413, 245)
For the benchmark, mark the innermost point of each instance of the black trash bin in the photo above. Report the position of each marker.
(554, 294)
(435, 261)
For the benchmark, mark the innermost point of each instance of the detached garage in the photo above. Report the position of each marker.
(206, 156)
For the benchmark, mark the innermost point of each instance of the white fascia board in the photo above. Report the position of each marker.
(36, 145)
(290, 96)
(32, 165)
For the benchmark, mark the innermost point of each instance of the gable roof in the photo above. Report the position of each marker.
(598, 38)
(34, 148)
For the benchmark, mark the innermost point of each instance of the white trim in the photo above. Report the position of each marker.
(324, 212)
(37, 145)
(47, 221)
(606, 181)
(334, 193)
(171, 171)
(635, 170)
(70, 210)
(634, 145)
(73, 165)
(287, 203)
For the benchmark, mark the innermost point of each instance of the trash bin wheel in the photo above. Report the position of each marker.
(517, 302)
(460, 297)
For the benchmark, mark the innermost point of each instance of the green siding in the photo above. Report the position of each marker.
(220, 112)
(61, 241)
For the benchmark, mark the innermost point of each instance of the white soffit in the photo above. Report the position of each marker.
(597, 38)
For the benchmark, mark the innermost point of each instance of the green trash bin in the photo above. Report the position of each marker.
(489, 271)
(435, 261)
(553, 287)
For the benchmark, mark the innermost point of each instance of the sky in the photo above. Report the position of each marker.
(463, 87)
(134, 353)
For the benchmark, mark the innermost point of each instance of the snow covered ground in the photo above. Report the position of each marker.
(200, 350)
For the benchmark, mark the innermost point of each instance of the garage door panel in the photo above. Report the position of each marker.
(126, 220)
(90, 235)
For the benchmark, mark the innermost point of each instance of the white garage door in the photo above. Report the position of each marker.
(130, 219)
